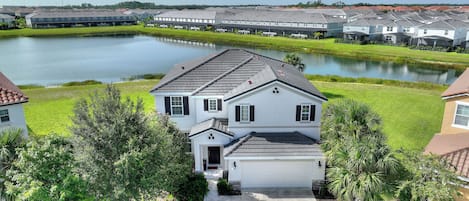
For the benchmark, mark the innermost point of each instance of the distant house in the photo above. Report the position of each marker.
(51, 19)
(365, 29)
(6, 21)
(11, 105)
(400, 31)
(254, 117)
(281, 22)
(444, 33)
(187, 18)
(452, 143)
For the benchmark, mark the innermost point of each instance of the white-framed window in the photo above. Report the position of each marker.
(461, 118)
(4, 116)
(212, 105)
(446, 32)
(425, 31)
(305, 112)
(389, 28)
(177, 107)
(244, 113)
(388, 38)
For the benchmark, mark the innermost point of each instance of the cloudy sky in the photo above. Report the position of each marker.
(212, 2)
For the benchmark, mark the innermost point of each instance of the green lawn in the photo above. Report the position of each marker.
(371, 52)
(410, 116)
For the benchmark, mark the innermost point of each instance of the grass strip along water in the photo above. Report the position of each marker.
(326, 46)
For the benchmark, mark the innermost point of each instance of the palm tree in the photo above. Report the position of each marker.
(10, 140)
(295, 60)
(361, 164)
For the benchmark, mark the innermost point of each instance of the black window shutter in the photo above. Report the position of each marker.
(251, 113)
(298, 112)
(237, 113)
(167, 104)
(185, 102)
(219, 104)
(312, 113)
(205, 104)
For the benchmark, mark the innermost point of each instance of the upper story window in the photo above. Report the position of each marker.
(446, 32)
(177, 107)
(461, 117)
(4, 116)
(389, 28)
(425, 31)
(244, 113)
(305, 112)
(212, 105)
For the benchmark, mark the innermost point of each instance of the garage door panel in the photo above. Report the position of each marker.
(279, 173)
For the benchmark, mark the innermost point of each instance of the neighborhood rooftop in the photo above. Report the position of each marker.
(274, 145)
(232, 72)
(459, 87)
(68, 14)
(9, 93)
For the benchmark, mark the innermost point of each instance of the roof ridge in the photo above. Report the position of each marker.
(446, 22)
(222, 75)
(195, 67)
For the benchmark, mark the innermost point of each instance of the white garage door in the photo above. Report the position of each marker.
(278, 173)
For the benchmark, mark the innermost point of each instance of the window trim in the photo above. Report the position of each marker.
(216, 105)
(6, 115)
(308, 113)
(247, 120)
(171, 106)
(455, 113)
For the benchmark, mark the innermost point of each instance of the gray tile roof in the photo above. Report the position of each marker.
(231, 73)
(193, 14)
(368, 22)
(217, 124)
(274, 16)
(446, 24)
(274, 145)
(82, 13)
(4, 16)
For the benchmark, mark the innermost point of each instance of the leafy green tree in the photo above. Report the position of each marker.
(362, 166)
(10, 140)
(124, 153)
(44, 171)
(428, 177)
(317, 35)
(295, 60)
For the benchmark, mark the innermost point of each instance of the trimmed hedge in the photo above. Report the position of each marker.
(194, 189)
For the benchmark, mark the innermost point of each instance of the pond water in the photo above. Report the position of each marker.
(51, 61)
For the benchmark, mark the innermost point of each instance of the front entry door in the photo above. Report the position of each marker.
(214, 155)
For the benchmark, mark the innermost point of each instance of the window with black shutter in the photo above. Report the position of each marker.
(186, 105)
(237, 113)
(167, 104)
(298, 113)
(251, 113)
(219, 104)
(205, 104)
(312, 114)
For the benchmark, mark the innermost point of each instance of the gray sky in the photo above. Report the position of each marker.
(212, 2)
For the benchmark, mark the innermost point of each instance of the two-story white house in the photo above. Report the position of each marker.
(256, 117)
(11, 105)
(445, 33)
(186, 19)
(365, 29)
(400, 31)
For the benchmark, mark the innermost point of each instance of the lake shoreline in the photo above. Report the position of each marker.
(399, 55)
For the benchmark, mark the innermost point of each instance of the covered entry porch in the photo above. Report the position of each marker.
(207, 141)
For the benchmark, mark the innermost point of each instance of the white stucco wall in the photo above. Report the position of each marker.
(435, 32)
(201, 141)
(184, 122)
(17, 119)
(275, 112)
(276, 173)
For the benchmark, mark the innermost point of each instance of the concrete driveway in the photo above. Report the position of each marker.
(277, 194)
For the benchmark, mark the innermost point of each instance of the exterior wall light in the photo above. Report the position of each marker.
(319, 163)
(234, 164)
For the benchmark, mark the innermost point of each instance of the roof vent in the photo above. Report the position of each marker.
(249, 81)
(182, 67)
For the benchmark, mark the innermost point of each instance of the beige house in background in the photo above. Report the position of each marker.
(452, 143)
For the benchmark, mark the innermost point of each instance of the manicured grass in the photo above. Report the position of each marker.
(327, 46)
(410, 116)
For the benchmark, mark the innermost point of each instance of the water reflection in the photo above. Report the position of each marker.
(49, 61)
